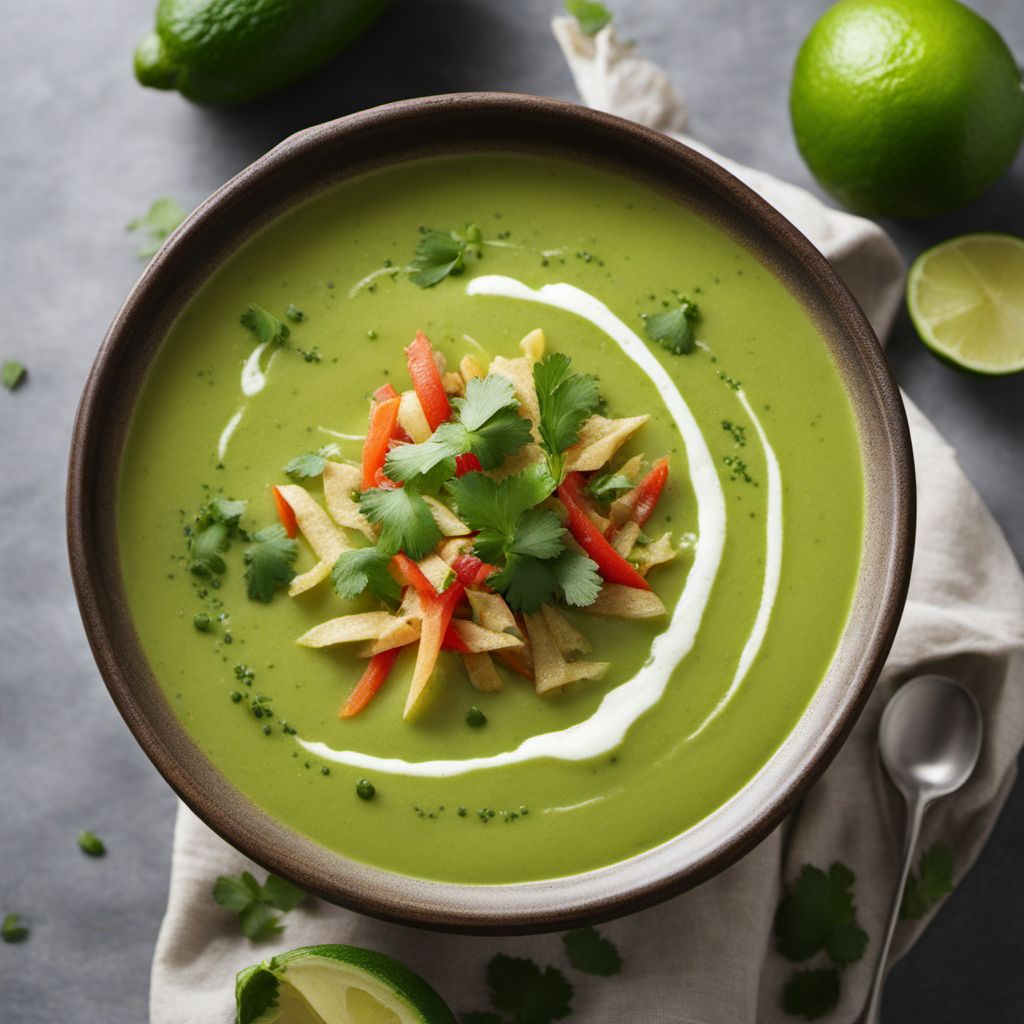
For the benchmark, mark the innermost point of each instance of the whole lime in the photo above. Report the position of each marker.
(906, 108)
(231, 51)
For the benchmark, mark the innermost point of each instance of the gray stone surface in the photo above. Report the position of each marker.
(85, 150)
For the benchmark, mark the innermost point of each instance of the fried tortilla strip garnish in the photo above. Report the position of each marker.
(551, 670)
(347, 629)
(412, 418)
(326, 540)
(520, 372)
(482, 673)
(568, 638)
(491, 612)
(480, 640)
(341, 481)
(533, 345)
(599, 440)
(447, 521)
(658, 552)
(626, 603)
(625, 538)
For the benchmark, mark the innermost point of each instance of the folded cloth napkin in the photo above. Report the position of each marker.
(708, 956)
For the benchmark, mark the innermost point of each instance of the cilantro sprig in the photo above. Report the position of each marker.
(13, 374)
(589, 951)
(440, 254)
(673, 329)
(365, 569)
(163, 216)
(590, 15)
(566, 400)
(531, 995)
(932, 881)
(811, 994)
(211, 534)
(255, 904)
(268, 562)
(91, 844)
(265, 326)
(310, 464)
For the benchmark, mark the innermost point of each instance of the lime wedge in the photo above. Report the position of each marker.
(966, 298)
(335, 985)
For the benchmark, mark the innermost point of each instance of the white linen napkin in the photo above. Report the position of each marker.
(708, 956)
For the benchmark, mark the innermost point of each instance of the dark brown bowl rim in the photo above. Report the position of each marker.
(482, 121)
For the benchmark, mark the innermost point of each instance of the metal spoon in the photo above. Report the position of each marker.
(929, 739)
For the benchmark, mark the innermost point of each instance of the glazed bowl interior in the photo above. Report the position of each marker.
(313, 161)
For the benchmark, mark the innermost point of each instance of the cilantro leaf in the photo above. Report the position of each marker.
(12, 930)
(591, 952)
(13, 374)
(438, 254)
(294, 313)
(608, 486)
(538, 533)
(811, 994)
(589, 14)
(818, 913)
(490, 505)
(531, 995)
(485, 396)
(259, 922)
(673, 328)
(264, 325)
(405, 519)
(363, 568)
(91, 844)
(163, 216)
(236, 892)
(310, 464)
(255, 904)
(268, 562)
(280, 893)
(226, 511)
(578, 578)
(207, 547)
(933, 880)
(566, 400)
(526, 583)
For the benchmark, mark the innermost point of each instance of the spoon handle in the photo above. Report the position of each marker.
(916, 806)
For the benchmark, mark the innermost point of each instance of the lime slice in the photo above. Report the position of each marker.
(336, 985)
(966, 298)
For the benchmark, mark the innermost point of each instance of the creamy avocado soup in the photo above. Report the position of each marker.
(491, 518)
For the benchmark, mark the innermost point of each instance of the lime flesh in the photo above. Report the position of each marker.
(966, 298)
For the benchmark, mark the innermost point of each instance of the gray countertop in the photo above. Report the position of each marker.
(85, 150)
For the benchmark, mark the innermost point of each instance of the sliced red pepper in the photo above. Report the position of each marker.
(648, 491)
(383, 481)
(409, 574)
(471, 571)
(453, 642)
(285, 514)
(610, 564)
(514, 662)
(427, 381)
(467, 463)
(437, 615)
(384, 392)
(370, 682)
(383, 417)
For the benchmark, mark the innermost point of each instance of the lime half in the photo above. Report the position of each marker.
(966, 298)
(336, 985)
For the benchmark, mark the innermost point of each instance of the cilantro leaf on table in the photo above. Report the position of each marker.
(811, 994)
(818, 913)
(267, 328)
(673, 328)
(532, 996)
(91, 844)
(591, 952)
(405, 519)
(163, 216)
(362, 569)
(310, 464)
(440, 254)
(566, 400)
(12, 930)
(590, 15)
(933, 880)
(255, 904)
(268, 562)
(13, 374)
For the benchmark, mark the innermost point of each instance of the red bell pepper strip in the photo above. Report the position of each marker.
(409, 574)
(427, 381)
(437, 616)
(514, 662)
(384, 392)
(471, 571)
(370, 682)
(453, 642)
(648, 491)
(285, 514)
(383, 418)
(383, 481)
(610, 564)
(467, 463)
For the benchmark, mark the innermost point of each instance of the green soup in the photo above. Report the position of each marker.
(762, 647)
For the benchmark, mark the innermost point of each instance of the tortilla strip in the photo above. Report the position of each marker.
(438, 571)
(412, 418)
(341, 481)
(625, 538)
(482, 673)
(491, 611)
(520, 373)
(568, 638)
(347, 628)
(533, 344)
(451, 548)
(658, 552)
(398, 634)
(326, 540)
(447, 521)
(470, 368)
(551, 670)
(599, 440)
(453, 384)
(626, 603)
(480, 640)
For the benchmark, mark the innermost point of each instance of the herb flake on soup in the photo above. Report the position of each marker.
(491, 518)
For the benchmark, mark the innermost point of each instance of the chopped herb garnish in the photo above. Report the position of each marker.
(440, 254)
(591, 952)
(215, 525)
(13, 374)
(405, 519)
(255, 904)
(608, 486)
(365, 789)
(12, 930)
(91, 844)
(811, 994)
(475, 718)
(201, 621)
(310, 464)
(294, 313)
(268, 562)
(156, 224)
(267, 328)
(365, 569)
(566, 401)
(933, 880)
(673, 329)
(589, 14)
